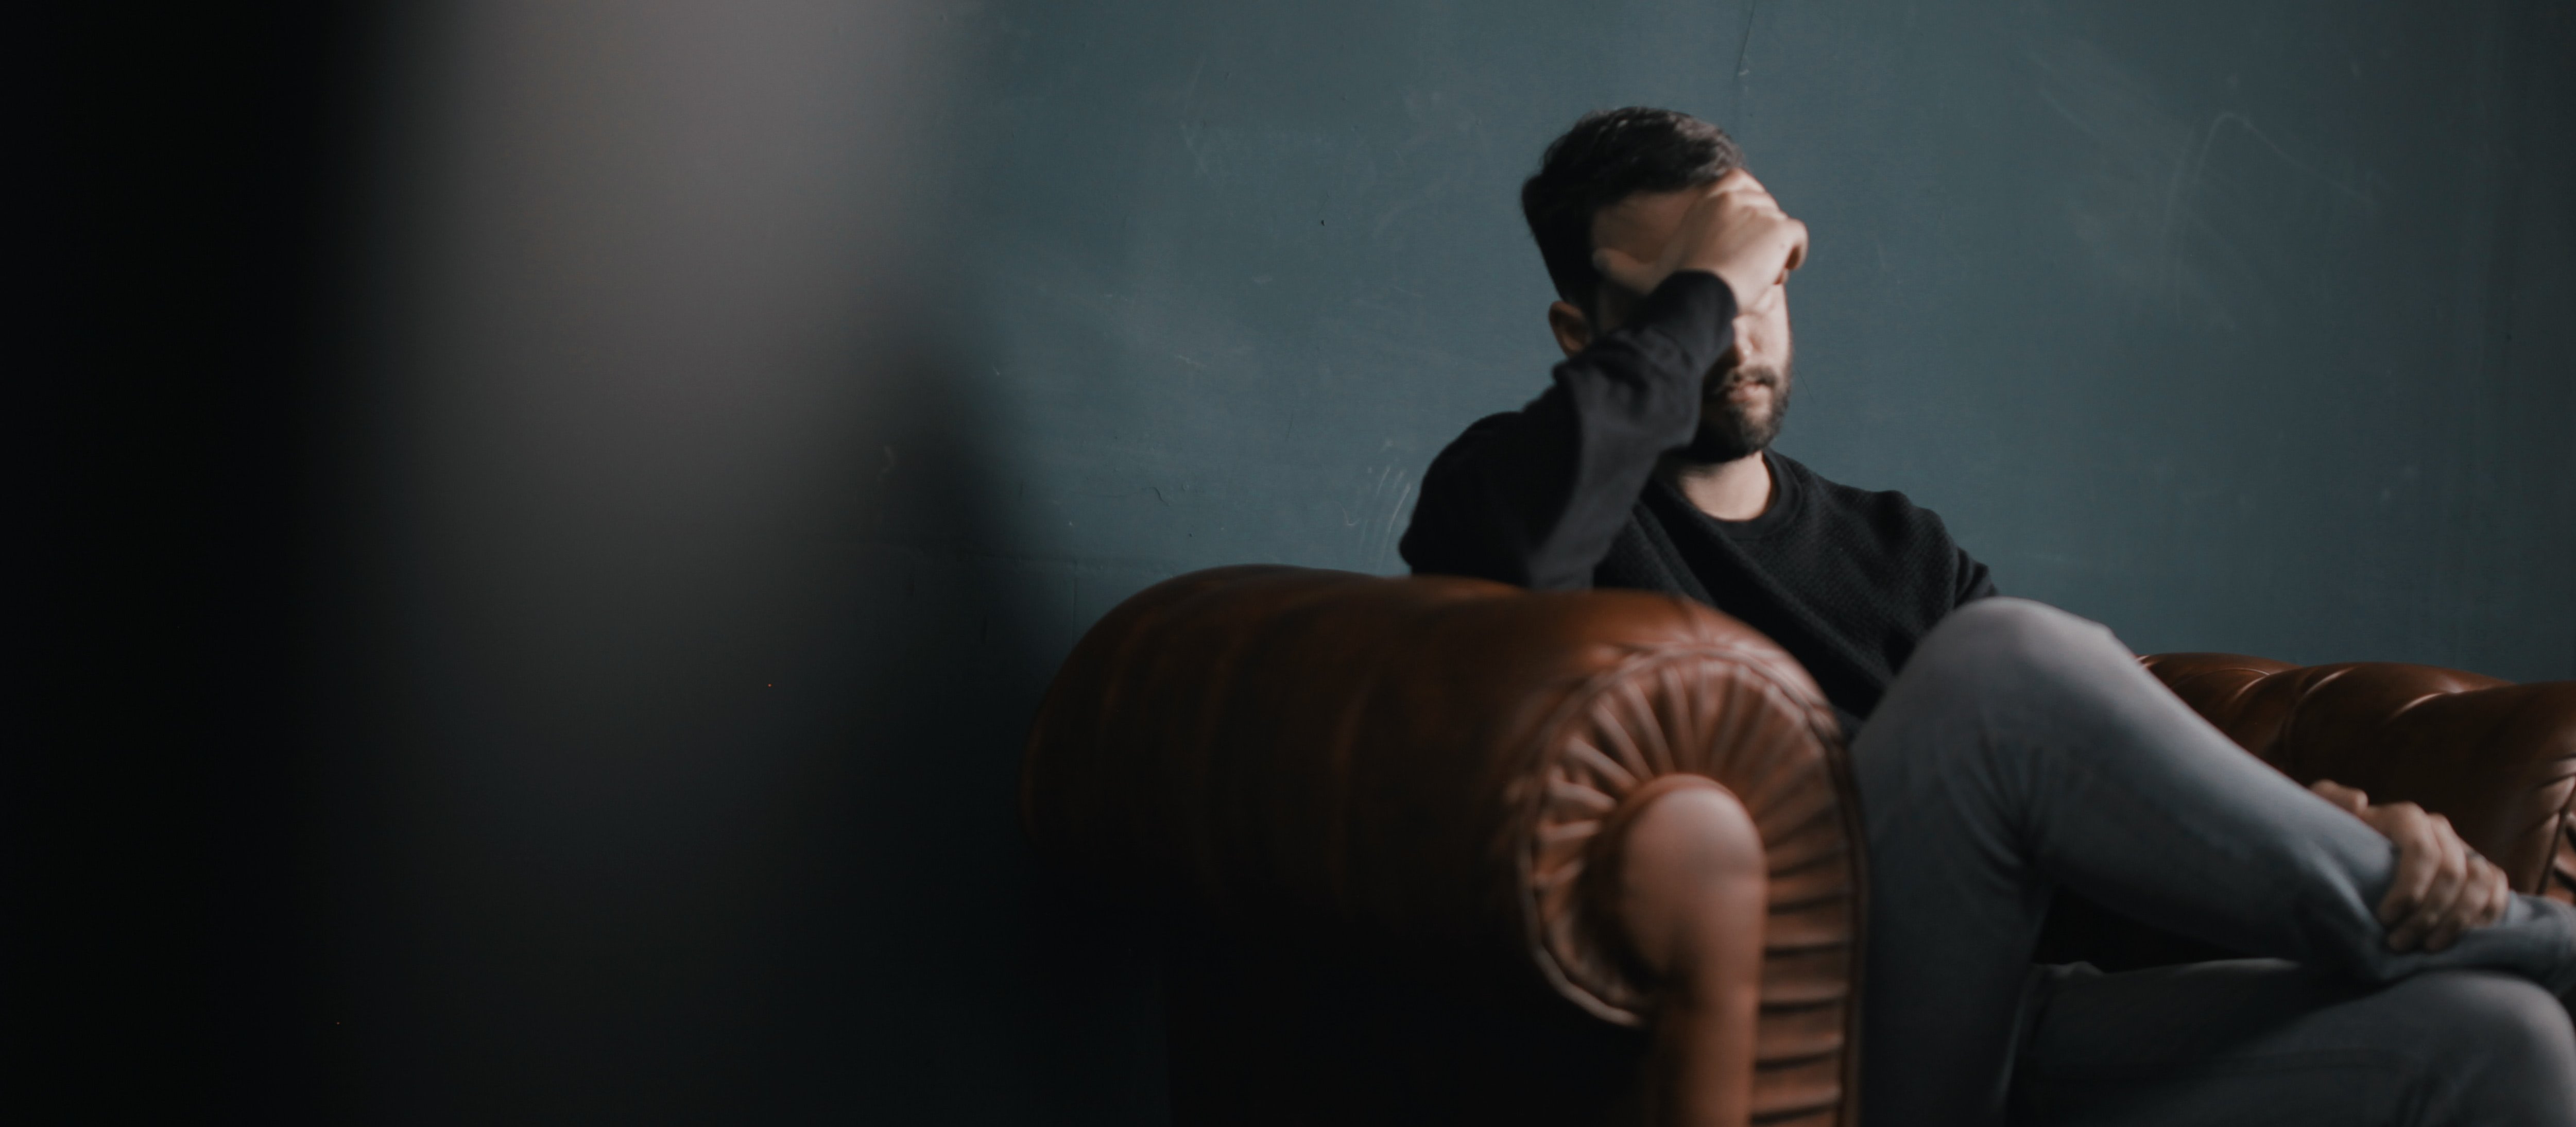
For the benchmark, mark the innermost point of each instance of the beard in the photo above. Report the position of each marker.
(1729, 430)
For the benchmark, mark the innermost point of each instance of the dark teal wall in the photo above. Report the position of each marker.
(2233, 326)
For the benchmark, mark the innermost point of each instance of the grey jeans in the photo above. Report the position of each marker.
(2023, 749)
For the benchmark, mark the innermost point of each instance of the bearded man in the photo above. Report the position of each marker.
(2002, 750)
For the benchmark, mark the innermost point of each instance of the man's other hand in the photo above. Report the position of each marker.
(2442, 888)
(1735, 231)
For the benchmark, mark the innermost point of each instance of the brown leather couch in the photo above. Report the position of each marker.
(1381, 823)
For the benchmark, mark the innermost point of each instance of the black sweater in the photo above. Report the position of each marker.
(1562, 494)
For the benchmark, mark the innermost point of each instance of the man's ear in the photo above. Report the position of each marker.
(1573, 330)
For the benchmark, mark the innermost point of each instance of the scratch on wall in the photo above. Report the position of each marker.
(2192, 170)
(1377, 511)
(1736, 118)
(1394, 520)
(2162, 205)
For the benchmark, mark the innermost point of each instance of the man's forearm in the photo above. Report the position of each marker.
(1535, 497)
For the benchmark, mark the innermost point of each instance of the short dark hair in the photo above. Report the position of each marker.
(1607, 157)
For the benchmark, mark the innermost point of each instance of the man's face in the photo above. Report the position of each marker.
(1745, 397)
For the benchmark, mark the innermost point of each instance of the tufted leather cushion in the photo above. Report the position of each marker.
(2498, 759)
(1418, 768)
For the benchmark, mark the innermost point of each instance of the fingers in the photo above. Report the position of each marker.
(1739, 201)
(1734, 199)
(2433, 911)
(1624, 269)
(1744, 238)
(2419, 860)
(1793, 238)
(1739, 181)
(2499, 894)
(2482, 901)
(2443, 889)
(2351, 801)
(1734, 229)
(1797, 248)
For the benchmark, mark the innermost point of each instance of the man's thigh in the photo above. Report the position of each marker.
(2260, 1041)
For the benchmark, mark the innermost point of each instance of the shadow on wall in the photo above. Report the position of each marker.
(641, 861)
(667, 671)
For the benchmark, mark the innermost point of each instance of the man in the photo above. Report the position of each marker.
(2002, 749)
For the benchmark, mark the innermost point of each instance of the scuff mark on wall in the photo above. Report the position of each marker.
(1377, 510)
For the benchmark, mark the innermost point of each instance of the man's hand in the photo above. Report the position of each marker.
(2442, 888)
(1735, 231)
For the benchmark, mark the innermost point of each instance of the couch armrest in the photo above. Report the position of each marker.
(2498, 759)
(1419, 768)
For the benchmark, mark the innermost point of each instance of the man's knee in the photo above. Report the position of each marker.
(2506, 1042)
(2017, 625)
(2016, 638)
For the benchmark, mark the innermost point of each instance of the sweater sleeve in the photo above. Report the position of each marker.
(1975, 582)
(1534, 497)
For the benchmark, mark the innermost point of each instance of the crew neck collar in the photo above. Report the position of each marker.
(1788, 496)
